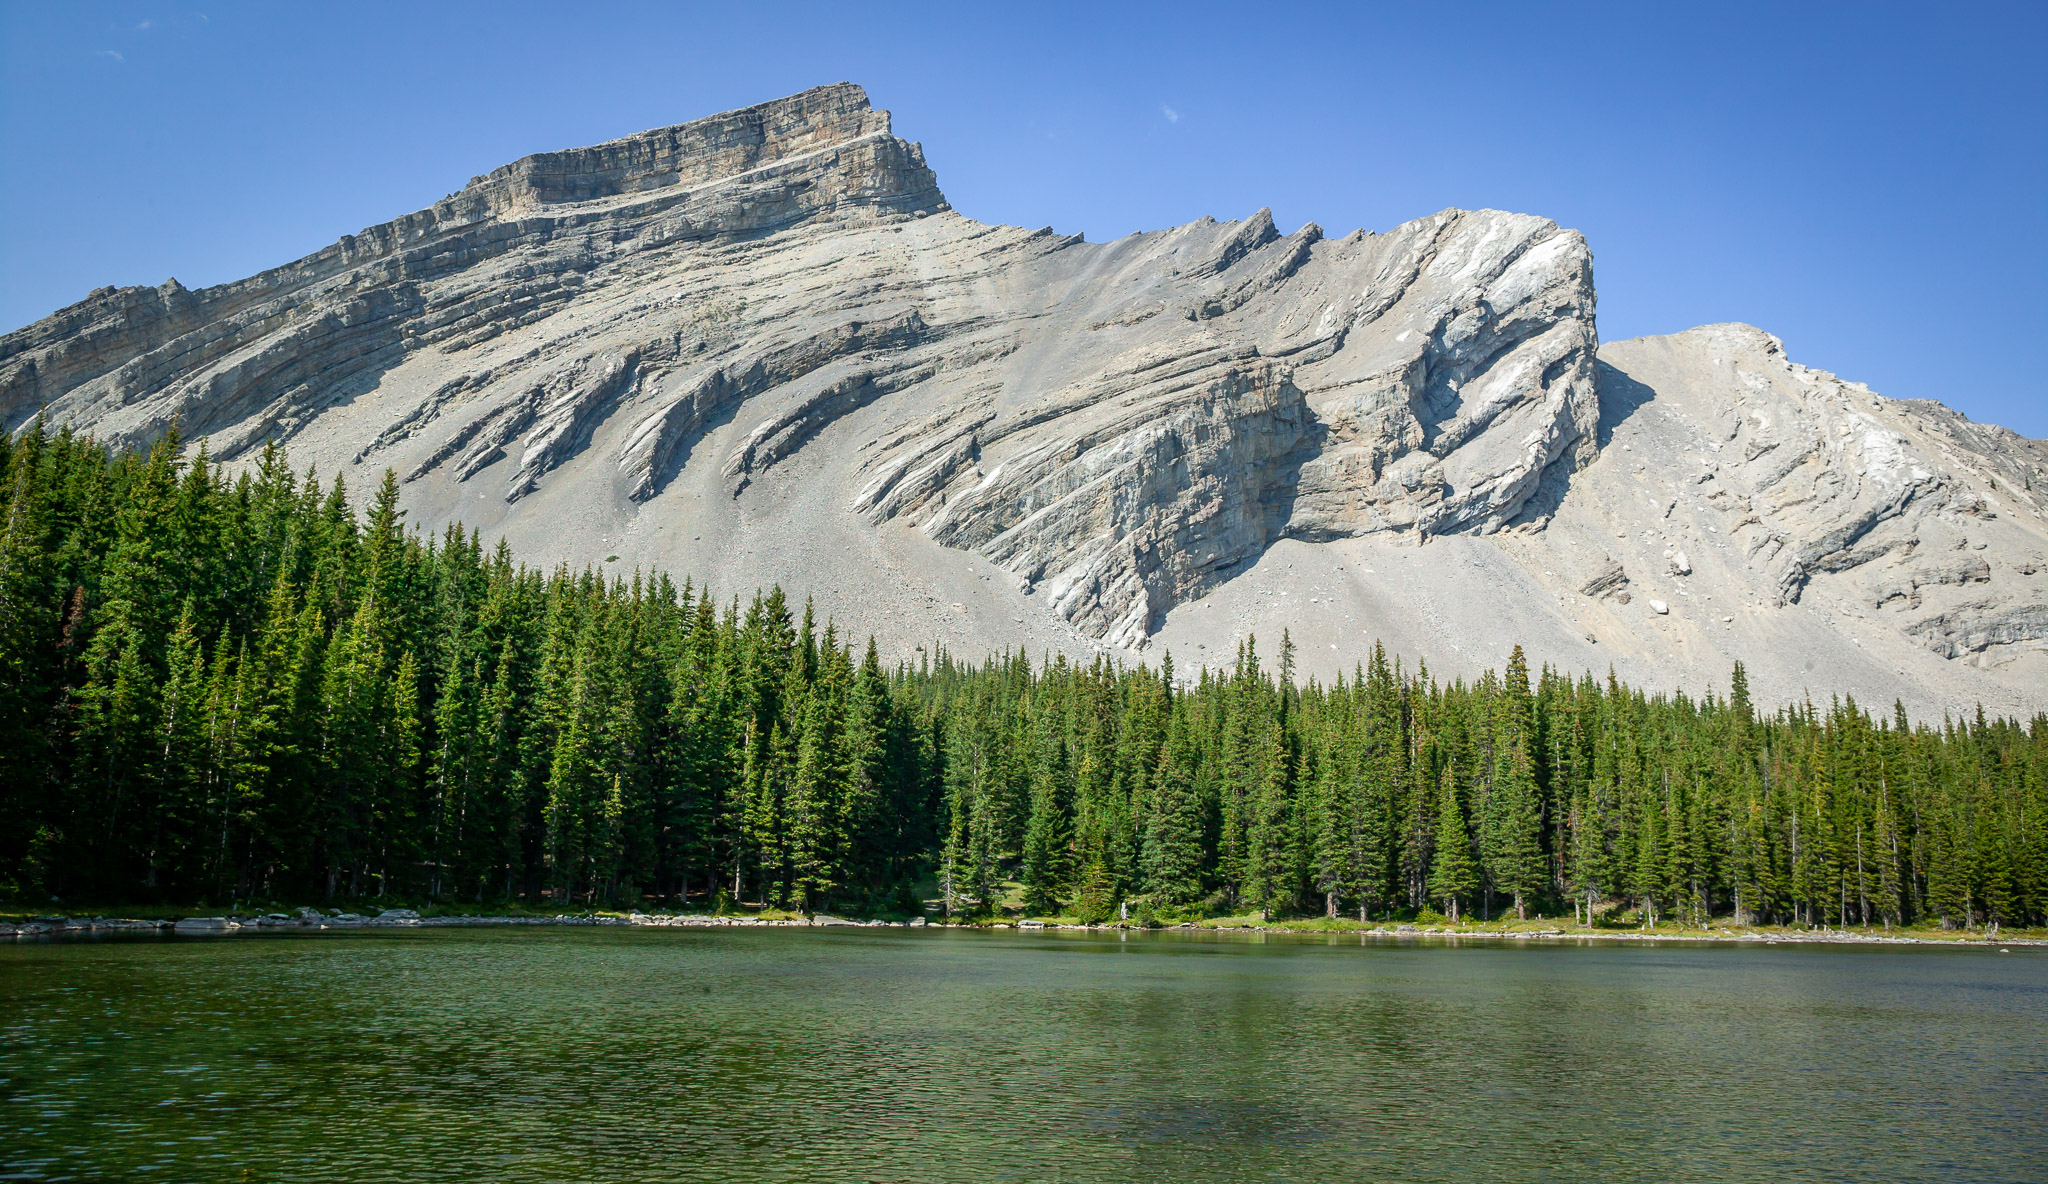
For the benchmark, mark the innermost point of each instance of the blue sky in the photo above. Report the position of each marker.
(1869, 182)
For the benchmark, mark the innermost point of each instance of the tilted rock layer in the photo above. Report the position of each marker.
(763, 346)
(1790, 480)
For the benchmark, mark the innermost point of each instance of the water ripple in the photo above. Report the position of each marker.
(789, 1055)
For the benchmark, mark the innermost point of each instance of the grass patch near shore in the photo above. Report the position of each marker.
(1533, 926)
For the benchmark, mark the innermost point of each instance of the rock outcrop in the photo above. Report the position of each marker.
(763, 346)
(1124, 424)
(1899, 505)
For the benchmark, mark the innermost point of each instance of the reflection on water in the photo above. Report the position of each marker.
(811, 1055)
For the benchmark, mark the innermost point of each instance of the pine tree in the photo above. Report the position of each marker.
(1330, 794)
(397, 812)
(178, 790)
(216, 686)
(817, 791)
(1993, 865)
(1453, 878)
(1518, 856)
(1173, 838)
(1380, 775)
(1270, 870)
(1588, 850)
(28, 613)
(1048, 834)
(868, 822)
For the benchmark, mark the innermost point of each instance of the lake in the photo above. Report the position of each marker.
(760, 1055)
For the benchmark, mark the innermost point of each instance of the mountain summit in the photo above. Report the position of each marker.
(763, 347)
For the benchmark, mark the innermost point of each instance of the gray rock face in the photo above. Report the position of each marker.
(1124, 424)
(1900, 506)
(762, 346)
(256, 359)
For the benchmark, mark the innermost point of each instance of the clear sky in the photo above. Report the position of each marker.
(1868, 181)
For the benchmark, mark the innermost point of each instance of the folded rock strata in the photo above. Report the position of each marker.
(1124, 423)
(1794, 477)
(770, 323)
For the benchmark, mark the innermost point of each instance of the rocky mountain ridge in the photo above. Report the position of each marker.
(762, 347)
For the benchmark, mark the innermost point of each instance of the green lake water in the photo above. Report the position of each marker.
(764, 1055)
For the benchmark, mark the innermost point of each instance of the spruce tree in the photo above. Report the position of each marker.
(1453, 878)
(1048, 834)
(1270, 867)
(215, 685)
(817, 795)
(1588, 855)
(1518, 856)
(1173, 837)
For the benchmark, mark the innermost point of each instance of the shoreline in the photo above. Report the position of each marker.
(309, 922)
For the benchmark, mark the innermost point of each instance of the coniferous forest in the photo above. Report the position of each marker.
(222, 687)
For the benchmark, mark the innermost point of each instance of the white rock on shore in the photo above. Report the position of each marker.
(406, 918)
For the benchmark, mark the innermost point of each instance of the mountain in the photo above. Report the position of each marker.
(762, 347)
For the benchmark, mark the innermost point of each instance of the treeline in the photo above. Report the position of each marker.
(218, 688)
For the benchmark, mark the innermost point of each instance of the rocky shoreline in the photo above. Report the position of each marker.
(312, 921)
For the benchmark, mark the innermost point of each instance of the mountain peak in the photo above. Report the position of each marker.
(760, 348)
(699, 152)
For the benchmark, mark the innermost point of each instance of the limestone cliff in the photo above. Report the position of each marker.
(1791, 479)
(762, 346)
